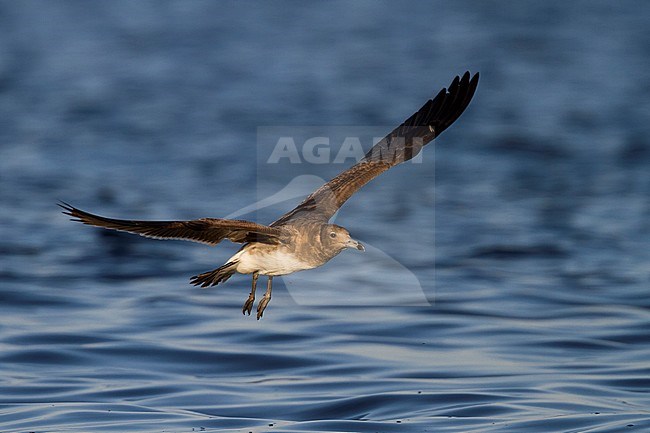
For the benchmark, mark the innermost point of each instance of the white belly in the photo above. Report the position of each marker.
(274, 262)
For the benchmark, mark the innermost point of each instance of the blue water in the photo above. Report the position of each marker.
(506, 285)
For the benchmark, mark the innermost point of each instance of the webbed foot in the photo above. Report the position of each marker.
(262, 306)
(248, 305)
(265, 300)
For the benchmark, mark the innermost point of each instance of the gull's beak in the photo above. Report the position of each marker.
(355, 244)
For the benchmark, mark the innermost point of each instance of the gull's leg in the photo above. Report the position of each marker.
(265, 300)
(248, 305)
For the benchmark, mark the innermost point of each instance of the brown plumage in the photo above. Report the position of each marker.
(302, 238)
(209, 231)
(401, 145)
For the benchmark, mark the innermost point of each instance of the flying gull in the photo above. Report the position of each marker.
(302, 238)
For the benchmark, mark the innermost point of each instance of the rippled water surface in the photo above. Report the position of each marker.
(506, 282)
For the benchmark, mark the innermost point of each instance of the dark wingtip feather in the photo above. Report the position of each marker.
(461, 92)
(69, 210)
(454, 83)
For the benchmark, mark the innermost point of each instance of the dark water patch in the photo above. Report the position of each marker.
(124, 391)
(629, 383)
(98, 417)
(511, 252)
(576, 345)
(199, 361)
(18, 250)
(635, 150)
(56, 339)
(57, 356)
(596, 422)
(483, 410)
(27, 298)
(379, 407)
(525, 147)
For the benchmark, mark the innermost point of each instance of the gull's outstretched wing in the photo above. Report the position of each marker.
(402, 144)
(209, 231)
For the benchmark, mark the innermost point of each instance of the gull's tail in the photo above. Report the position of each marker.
(219, 275)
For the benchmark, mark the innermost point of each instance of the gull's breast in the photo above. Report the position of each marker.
(270, 261)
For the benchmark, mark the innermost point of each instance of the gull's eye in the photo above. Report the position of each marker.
(332, 235)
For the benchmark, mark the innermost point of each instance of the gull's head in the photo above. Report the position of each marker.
(338, 238)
